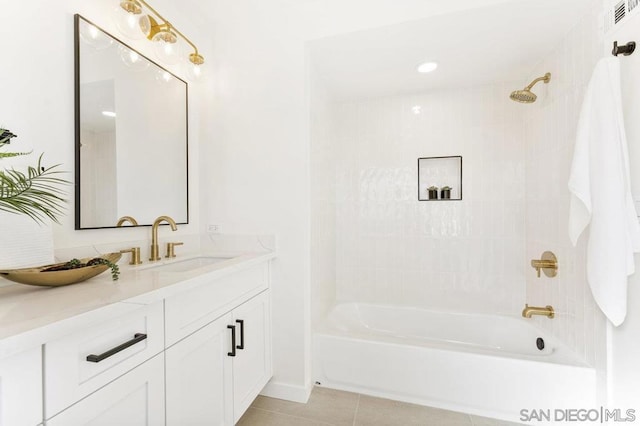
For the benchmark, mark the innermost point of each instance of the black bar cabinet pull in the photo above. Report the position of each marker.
(241, 345)
(233, 340)
(138, 337)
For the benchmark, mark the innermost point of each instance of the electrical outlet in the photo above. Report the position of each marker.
(213, 229)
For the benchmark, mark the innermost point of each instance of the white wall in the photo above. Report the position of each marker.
(38, 94)
(392, 248)
(323, 201)
(550, 130)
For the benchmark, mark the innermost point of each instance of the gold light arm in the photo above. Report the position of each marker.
(195, 57)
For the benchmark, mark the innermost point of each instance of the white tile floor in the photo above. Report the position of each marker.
(338, 408)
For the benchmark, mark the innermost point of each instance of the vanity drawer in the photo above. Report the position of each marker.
(187, 312)
(86, 360)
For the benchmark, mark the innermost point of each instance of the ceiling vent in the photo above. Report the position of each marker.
(620, 11)
(617, 12)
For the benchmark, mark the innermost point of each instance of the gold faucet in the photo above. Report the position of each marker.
(154, 235)
(529, 311)
(548, 263)
(129, 219)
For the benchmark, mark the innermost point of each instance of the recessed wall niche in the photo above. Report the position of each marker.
(440, 178)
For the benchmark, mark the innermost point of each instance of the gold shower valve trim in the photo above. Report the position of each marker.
(548, 263)
(168, 32)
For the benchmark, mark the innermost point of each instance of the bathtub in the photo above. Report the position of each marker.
(481, 364)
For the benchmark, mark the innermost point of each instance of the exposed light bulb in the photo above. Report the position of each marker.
(193, 71)
(417, 109)
(166, 47)
(130, 24)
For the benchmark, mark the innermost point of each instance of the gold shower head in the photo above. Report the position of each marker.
(526, 96)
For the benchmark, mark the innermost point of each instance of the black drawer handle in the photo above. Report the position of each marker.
(241, 345)
(233, 340)
(138, 337)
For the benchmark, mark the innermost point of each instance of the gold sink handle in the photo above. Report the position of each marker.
(135, 255)
(548, 263)
(171, 248)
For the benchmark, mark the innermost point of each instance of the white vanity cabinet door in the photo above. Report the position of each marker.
(252, 367)
(21, 389)
(199, 378)
(135, 399)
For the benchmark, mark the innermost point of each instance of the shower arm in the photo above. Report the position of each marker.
(546, 79)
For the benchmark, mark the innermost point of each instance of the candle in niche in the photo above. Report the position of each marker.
(445, 192)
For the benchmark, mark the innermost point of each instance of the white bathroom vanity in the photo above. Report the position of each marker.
(179, 342)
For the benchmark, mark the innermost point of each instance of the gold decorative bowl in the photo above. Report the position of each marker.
(36, 276)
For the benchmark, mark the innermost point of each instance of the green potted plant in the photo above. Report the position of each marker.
(35, 193)
(38, 194)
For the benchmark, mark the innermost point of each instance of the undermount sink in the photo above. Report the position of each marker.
(189, 264)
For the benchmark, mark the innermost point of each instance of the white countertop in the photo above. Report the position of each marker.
(31, 315)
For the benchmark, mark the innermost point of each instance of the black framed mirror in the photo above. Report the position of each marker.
(131, 134)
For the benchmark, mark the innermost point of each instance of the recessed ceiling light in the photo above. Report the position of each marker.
(109, 113)
(427, 67)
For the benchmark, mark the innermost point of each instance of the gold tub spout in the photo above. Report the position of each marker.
(529, 311)
(154, 235)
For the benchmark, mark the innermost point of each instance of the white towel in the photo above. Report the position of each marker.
(601, 196)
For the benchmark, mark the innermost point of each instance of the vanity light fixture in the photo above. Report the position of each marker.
(157, 29)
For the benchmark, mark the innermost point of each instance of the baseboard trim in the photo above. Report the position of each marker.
(287, 391)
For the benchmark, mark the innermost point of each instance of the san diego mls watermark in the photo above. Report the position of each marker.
(592, 415)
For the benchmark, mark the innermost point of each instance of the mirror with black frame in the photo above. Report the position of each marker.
(131, 134)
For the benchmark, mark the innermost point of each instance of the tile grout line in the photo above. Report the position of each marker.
(355, 414)
(292, 416)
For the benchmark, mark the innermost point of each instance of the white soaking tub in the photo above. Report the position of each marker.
(481, 364)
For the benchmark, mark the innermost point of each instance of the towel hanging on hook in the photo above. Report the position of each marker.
(625, 49)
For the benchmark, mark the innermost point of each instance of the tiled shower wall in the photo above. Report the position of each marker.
(458, 255)
(550, 129)
(374, 242)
